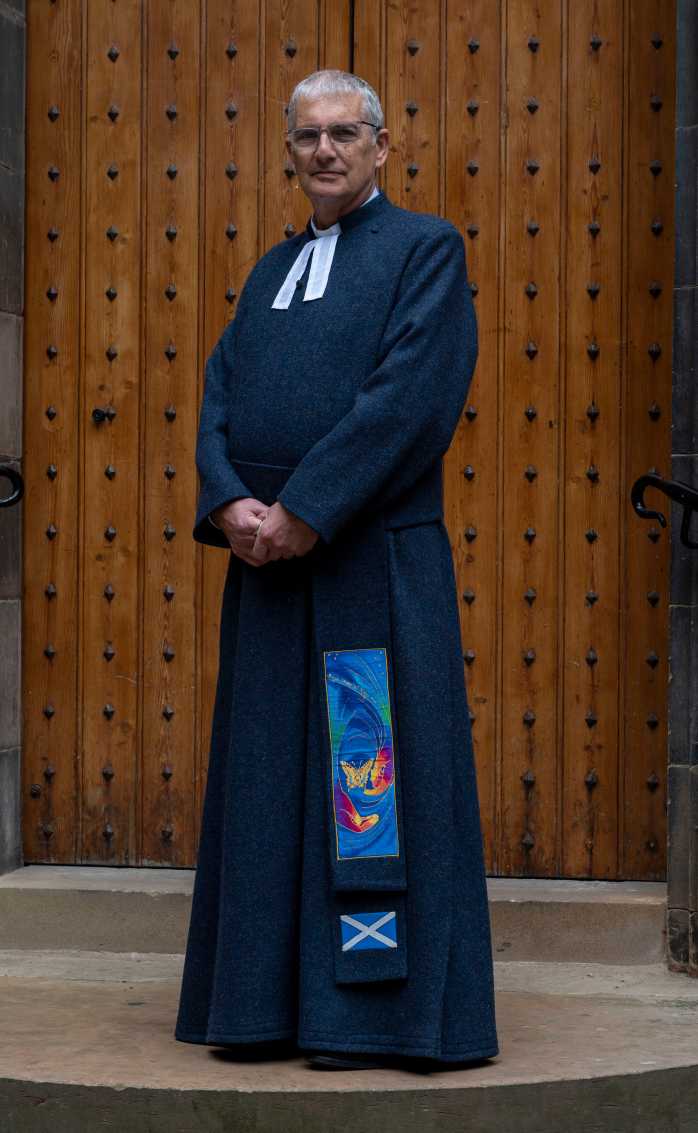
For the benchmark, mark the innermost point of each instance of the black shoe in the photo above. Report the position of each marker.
(345, 1060)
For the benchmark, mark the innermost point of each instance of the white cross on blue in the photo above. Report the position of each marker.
(363, 930)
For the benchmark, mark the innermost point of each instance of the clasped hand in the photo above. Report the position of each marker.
(282, 535)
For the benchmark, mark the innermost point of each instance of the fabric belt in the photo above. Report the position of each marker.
(350, 593)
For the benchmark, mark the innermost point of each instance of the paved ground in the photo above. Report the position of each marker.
(87, 1044)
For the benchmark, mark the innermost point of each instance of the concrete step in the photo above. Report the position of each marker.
(88, 1044)
(147, 910)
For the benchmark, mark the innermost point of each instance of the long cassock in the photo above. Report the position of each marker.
(340, 896)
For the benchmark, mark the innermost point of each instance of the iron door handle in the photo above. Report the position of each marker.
(677, 491)
(17, 483)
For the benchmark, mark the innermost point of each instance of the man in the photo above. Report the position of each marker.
(340, 899)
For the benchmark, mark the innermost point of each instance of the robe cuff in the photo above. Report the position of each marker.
(311, 516)
(205, 530)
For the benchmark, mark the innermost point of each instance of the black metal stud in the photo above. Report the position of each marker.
(592, 473)
(592, 657)
(35, 790)
(657, 226)
(110, 533)
(231, 111)
(170, 412)
(168, 653)
(652, 720)
(594, 165)
(51, 352)
(591, 719)
(113, 112)
(470, 533)
(49, 772)
(108, 832)
(469, 656)
(530, 472)
(171, 171)
(472, 106)
(533, 227)
(413, 46)
(530, 412)
(52, 472)
(108, 711)
(110, 472)
(170, 351)
(53, 173)
(532, 105)
(470, 412)
(52, 294)
(656, 41)
(171, 232)
(593, 290)
(653, 598)
(469, 596)
(654, 411)
(652, 659)
(591, 597)
(53, 113)
(530, 595)
(168, 712)
(529, 657)
(51, 412)
(593, 412)
(49, 711)
(169, 471)
(52, 234)
(50, 651)
(167, 833)
(166, 771)
(594, 228)
(529, 718)
(112, 233)
(170, 291)
(591, 535)
(529, 534)
(528, 841)
(656, 167)
(531, 349)
(231, 231)
(595, 42)
(111, 293)
(591, 780)
(654, 534)
(473, 230)
(109, 592)
(654, 350)
(231, 50)
(173, 51)
(473, 45)
(112, 172)
(528, 779)
(230, 295)
(533, 44)
(51, 531)
(50, 591)
(113, 53)
(593, 350)
(169, 532)
(108, 772)
(289, 230)
(531, 290)
(469, 472)
(656, 102)
(655, 289)
(411, 108)
(109, 652)
(171, 111)
(168, 593)
(412, 169)
(532, 166)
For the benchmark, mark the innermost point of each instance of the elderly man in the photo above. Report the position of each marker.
(340, 902)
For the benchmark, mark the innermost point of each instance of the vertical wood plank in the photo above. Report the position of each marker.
(170, 319)
(592, 293)
(111, 488)
(291, 39)
(233, 36)
(471, 501)
(50, 434)
(649, 208)
(412, 88)
(530, 433)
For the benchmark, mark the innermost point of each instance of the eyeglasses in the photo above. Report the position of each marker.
(340, 133)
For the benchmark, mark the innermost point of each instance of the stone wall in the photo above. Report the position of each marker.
(12, 101)
(683, 687)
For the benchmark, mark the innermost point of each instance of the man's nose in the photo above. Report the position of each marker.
(324, 146)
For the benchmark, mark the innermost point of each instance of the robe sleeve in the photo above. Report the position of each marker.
(218, 480)
(406, 410)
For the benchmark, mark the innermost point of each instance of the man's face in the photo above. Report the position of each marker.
(338, 172)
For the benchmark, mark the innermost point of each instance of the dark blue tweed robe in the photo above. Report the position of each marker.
(340, 896)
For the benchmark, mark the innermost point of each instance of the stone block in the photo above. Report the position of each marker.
(10, 794)
(685, 206)
(683, 702)
(10, 668)
(679, 835)
(686, 55)
(677, 937)
(684, 429)
(11, 385)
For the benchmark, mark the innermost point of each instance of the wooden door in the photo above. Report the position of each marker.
(156, 177)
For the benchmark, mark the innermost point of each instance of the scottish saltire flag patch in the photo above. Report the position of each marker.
(361, 740)
(368, 930)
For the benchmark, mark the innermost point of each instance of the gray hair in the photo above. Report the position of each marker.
(330, 82)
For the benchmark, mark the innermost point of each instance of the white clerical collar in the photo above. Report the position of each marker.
(322, 250)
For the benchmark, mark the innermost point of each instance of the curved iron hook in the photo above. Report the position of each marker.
(677, 491)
